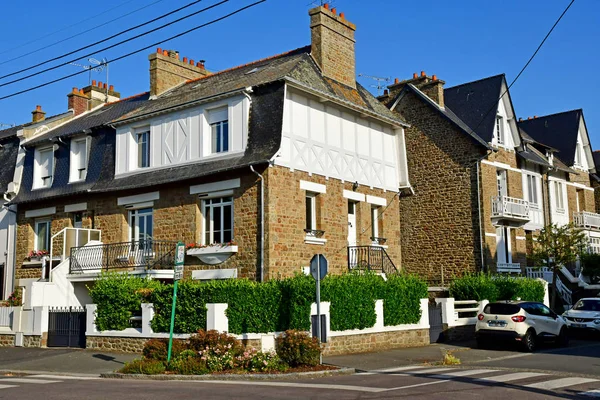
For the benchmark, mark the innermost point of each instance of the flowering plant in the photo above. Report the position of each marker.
(16, 298)
(202, 246)
(37, 253)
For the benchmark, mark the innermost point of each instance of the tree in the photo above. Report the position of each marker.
(557, 246)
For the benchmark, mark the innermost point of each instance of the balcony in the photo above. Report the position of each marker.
(587, 220)
(509, 211)
(371, 258)
(146, 254)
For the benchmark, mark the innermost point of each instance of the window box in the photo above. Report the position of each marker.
(314, 236)
(213, 254)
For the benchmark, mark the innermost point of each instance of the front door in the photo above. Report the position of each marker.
(351, 223)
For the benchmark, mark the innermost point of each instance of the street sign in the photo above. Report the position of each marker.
(178, 274)
(318, 266)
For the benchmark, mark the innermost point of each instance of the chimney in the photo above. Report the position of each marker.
(78, 102)
(99, 93)
(432, 86)
(332, 44)
(38, 115)
(168, 71)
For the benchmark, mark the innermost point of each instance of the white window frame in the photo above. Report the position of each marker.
(499, 131)
(594, 245)
(502, 182)
(532, 190)
(77, 219)
(77, 171)
(375, 222)
(37, 223)
(134, 234)
(137, 134)
(311, 201)
(504, 244)
(39, 181)
(559, 200)
(208, 229)
(219, 118)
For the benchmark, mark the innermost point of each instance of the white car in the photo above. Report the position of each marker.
(584, 315)
(523, 322)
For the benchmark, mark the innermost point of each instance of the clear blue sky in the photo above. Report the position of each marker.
(457, 40)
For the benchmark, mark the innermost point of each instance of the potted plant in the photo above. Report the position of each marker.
(212, 254)
(36, 255)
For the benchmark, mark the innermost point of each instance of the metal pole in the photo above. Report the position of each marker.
(172, 321)
(319, 305)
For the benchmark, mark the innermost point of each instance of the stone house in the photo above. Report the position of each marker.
(257, 168)
(480, 180)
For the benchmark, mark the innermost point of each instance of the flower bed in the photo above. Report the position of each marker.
(211, 352)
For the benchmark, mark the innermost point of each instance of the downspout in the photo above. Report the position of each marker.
(262, 224)
(481, 228)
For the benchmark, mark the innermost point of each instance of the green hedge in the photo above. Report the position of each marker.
(276, 305)
(487, 287)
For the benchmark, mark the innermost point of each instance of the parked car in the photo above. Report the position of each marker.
(523, 322)
(585, 315)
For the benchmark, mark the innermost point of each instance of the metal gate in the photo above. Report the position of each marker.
(66, 327)
(436, 326)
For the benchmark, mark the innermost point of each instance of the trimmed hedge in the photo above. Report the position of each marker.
(487, 287)
(402, 296)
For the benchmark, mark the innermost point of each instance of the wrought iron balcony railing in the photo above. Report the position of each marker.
(146, 254)
(371, 258)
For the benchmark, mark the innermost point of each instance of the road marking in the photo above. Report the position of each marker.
(427, 371)
(7, 386)
(560, 383)
(591, 393)
(27, 380)
(512, 377)
(65, 377)
(387, 370)
(505, 357)
(464, 372)
(300, 385)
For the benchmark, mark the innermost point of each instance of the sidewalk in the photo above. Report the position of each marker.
(61, 361)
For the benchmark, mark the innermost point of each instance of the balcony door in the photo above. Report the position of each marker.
(503, 246)
(351, 223)
(502, 183)
(140, 227)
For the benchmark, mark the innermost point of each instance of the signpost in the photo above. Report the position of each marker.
(318, 269)
(178, 274)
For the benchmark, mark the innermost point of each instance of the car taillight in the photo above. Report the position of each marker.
(480, 317)
(518, 318)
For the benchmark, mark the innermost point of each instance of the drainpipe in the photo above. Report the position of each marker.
(481, 228)
(262, 224)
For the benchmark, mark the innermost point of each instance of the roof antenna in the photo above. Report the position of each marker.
(380, 85)
(321, 3)
(97, 66)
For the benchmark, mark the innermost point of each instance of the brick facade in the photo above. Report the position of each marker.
(168, 71)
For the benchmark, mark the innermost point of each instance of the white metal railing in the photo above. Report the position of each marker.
(542, 273)
(6, 316)
(511, 268)
(510, 207)
(71, 237)
(587, 220)
(565, 293)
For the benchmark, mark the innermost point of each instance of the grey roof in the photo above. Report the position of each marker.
(533, 155)
(474, 103)
(296, 66)
(557, 130)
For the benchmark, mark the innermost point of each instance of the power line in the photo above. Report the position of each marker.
(99, 41)
(114, 45)
(139, 50)
(526, 65)
(65, 28)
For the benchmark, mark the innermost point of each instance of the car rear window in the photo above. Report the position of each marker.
(501, 309)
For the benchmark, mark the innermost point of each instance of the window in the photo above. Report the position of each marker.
(77, 220)
(220, 136)
(79, 159)
(43, 167)
(558, 196)
(532, 191)
(143, 149)
(499, 131)
(375, 223)
(218, 220)
(42, 235)
(503, 245)
(502, 186)
(311, 211)
(579, 153)
(141, 225)
(594, 245)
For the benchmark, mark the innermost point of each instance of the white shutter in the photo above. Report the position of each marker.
(500, 245)
(82, 148)
(45, 163)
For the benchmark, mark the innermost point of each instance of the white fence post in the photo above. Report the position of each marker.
(379, 324)
(324, 311)
(448, 313)
(147, 315)
(424, 322)
(267, 343)
(90, 319)
(216, 318)
(546, 293)
(40, 320)
(16, 321)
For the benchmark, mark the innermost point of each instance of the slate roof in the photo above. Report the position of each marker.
(557, 130)
(473, 100)
(596, 156)
(9, 149)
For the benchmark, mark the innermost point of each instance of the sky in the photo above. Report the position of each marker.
(459, 41)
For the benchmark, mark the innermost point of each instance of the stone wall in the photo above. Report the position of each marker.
(7, 340)
(33, 341)
(286, 251)
(440, 222)
(353, 344)
(118, 344)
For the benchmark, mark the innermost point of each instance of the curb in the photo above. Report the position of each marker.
(231, 377)
(57, 373)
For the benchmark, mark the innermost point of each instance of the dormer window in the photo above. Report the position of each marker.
(579, 154)
(219, 130)
(142, 140)
(499, 130)
(79, 159)
(43, 168)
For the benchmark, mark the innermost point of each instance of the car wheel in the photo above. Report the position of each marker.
(563, 337)
(530, 341)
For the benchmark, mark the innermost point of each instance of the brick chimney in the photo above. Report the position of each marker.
(168, 71)
(332, 44)
(38, 115)
(78, 102)
(430, 85)
(100, 93)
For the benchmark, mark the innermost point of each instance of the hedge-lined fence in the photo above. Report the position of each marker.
(273, 306)
(496, 287)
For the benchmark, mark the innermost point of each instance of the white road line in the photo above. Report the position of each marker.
(591, 393)
(388, 370)
(427, 371)
(464, 372)
(8, 386)
(300, 385)
(512, 377)
(27, 380)
(65, 377)
(560, 383)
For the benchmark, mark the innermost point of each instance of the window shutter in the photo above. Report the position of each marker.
(45, 163)
(82, 156)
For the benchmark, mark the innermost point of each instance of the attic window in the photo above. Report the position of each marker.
(253, 71)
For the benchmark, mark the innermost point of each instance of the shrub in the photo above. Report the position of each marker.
(118, 297)
(188, 363)
(215, 341)
(157, 349)
(529, 289)
(474, 287)
(146, 367)
(297, 294)
(402, 296)
(298, 349)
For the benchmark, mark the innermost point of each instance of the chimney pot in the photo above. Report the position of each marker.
(396, 81)
(334, 11)
(185, 60)
(158, 50)
(415, 76)
(38, 108)
(434, 78)
(520, 119)
(342, 15)
(535, 117)
(385, 92)
(38, 115)
(528, 118)
(192, 62)
(111, 88)
(81, 91)
(326, 6)
(93, 82)
(165, 53)
(75, 90)
(100, 84)
(165, 72)
(105, 86)
(423, 75)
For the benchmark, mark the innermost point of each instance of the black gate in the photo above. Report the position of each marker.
(66, 327)
(436, 327)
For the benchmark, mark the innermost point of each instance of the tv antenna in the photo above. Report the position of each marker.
(321, 3)
(95, 66)
(380, 85)
(2, 124)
